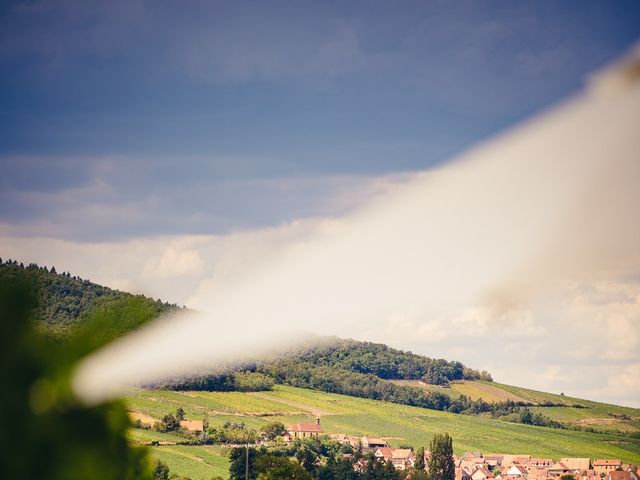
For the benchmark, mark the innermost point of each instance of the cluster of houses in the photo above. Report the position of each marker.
(475, 465)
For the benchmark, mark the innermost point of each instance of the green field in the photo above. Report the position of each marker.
(342, 414)
(599, 416)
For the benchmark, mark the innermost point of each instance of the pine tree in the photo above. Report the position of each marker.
(180, 413)
(441, 466)
(419, 464)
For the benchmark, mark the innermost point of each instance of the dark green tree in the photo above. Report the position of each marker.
(419, 463)
(340, 469)
(237, 457)
(273, 430)
(441, 466)
(526, 416)
(307, 457)
(169, 423)
(271, 467)
(180, 413)
(161, 471)
(389, 472)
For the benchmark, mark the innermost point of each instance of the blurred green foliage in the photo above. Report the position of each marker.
(45, 431)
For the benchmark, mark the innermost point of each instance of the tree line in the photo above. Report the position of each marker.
(385, 362)
(65, 301)
(324, 459)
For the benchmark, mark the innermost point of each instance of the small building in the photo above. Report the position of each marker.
(581, 465)
(621, 475)
(559, 468)
(515, 471)
(373, 442)
(537, 473)
(305, 430)
(605, 466)
(401, 458)
(345, 439)
(481, 473)
(472, 456)
(493, 461)
(508, 460)
(462, 474)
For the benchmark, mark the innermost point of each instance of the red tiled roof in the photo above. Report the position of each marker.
(603, 462)
(574, 463)
(401, 453)
(375, 440)
(620, 475)
(484, 471)
(519, 468)
(386, 452)
(390, 452)
(559, 466)
(305, 427)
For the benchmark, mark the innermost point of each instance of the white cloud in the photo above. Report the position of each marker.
(174, 261)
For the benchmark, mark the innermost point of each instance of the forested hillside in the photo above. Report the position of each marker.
(66, 300)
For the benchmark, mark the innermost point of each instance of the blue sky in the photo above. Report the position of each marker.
(206, 117)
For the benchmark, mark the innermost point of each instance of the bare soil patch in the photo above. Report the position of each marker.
(146, 419)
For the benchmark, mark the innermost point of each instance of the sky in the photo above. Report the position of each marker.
(155, 146)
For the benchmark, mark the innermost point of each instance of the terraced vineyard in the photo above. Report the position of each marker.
(578, 412)
(342, 414)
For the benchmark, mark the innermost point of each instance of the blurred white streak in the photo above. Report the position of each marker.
(553, 201)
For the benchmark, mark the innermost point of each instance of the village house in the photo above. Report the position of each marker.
(558, 469)
(590, 475)
(509, 460)
(515, 471)
(493, 461)
(401, 458)
(462, 474)
(345, 439)
(373, 442)
(605, 466)
(481, 473)
(472, 461)
(621, 475)
(469, 465)
(581, 465)
(537, 473)
(304, 430)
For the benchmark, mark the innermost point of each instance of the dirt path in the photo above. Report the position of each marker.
(318, 412)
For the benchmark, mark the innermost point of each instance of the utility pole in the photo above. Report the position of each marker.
(246, 462)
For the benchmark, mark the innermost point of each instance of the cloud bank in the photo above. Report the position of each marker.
(491, 243)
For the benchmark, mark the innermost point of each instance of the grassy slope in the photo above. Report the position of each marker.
(343, 414)
(199, 462)
(601, 416)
